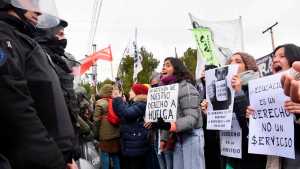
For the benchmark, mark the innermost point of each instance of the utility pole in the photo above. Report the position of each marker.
(272, 35)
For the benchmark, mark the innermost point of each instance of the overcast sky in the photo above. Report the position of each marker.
(163, 24)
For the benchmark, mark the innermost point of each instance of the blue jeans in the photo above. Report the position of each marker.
(105, 161)
(165, 160)
(189, 150)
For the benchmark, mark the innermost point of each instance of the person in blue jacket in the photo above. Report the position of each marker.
(134, 136)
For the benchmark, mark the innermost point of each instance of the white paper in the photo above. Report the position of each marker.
(231, 140)
(220, 97)
(271, 128)
(162, 102)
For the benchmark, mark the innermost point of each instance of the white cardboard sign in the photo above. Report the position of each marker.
(231, 140)
(162, 102)
(271, 128)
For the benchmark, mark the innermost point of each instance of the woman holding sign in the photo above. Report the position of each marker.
(247, 71)
(189, 148)
(283, 58)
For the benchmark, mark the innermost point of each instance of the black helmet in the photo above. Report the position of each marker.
(4, 4)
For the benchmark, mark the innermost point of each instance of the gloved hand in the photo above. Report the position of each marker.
(161, 124)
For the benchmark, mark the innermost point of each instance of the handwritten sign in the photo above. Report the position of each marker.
(162, 102)
(220, 97)
(231, 140)
(271, 128)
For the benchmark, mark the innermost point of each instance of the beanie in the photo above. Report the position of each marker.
(139, 89)
(106, 90)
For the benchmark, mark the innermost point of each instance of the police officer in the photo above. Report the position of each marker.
(53, 41)
(36, 130)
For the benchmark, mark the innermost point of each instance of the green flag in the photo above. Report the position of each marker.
(205, 44)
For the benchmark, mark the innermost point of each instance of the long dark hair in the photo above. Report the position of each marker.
(180, 71)
(291, 52)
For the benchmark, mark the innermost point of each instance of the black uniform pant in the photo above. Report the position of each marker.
(137, 162)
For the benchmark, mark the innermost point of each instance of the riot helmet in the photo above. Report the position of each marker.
(47, 17)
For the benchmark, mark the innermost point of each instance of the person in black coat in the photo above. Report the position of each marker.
(53, 41)
(247, 71)
(211, 151)
(35, 126)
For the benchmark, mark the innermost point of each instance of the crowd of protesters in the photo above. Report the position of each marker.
(47, 123)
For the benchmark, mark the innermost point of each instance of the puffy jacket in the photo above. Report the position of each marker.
(188, 113)
(134, 136)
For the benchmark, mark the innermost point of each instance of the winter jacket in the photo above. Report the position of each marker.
(241, 101)
(62, 64)
(134, 136)
(34, 118)
(107, 131)
(4, 164)
(188, 113)
(212, 152)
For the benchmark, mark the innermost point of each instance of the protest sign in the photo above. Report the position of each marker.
(271, 128)
(162, 102)
(220, 96)
(231, 140)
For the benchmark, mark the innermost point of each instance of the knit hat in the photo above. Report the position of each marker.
(139, 89)
(106, 90)
(250, 62)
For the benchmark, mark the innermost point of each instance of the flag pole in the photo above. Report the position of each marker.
(242, 33)
(135, 79)
(111, 65)
(94, 70)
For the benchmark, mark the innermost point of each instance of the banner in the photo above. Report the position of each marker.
(271, 128)
(162, 102)
(203, 37)
(231, 140)
(226, 38)
(103, 54)
(220, 97)
(265, 65)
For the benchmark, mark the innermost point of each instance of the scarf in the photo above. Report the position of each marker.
(168, 80)
(248, 75)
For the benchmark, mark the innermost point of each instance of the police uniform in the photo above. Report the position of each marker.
(35, 125)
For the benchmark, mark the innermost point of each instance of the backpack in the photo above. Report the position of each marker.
(112, 117)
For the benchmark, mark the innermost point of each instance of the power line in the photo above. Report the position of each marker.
(94, 22)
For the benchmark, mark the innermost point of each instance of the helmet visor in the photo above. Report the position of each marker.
(46, 8)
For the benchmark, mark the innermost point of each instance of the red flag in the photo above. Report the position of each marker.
(103, 54)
